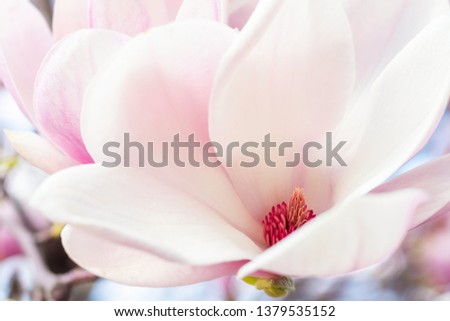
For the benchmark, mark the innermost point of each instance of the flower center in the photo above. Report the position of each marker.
(284, 219)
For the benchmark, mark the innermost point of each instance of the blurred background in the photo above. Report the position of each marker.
(33, 265)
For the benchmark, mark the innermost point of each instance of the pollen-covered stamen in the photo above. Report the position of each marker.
(298, 212)
(284, 219)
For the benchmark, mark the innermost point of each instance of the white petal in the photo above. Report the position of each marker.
(130, 207)
(69, 16)
(158, 86)
(131, 16)
(62, 80)
(25, 39)
(39, 152)
(381, 28)
(127, 265)
(433, 177)
(289, 74)
(399, 115)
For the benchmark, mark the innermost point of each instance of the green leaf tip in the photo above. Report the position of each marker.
(275, 287)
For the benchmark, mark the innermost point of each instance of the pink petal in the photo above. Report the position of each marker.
(25, 38)
(240, 11)
(38, 151)
(163, 11)
(61, 82)
(170, 67)
(433, 178)
(203, 9)
(128, 207)
(159, 86)
(381, 28)
(69, 16)
(8, 244)
(434, 252)
(127, 16)
(346, 238)
(403, 108)
(132, 16)
(131, 266)
(289, 75)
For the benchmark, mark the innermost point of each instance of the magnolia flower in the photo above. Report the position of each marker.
(375, 73)
(36, 70)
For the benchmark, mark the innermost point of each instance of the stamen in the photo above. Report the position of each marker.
(284, 219)
(298, 212)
